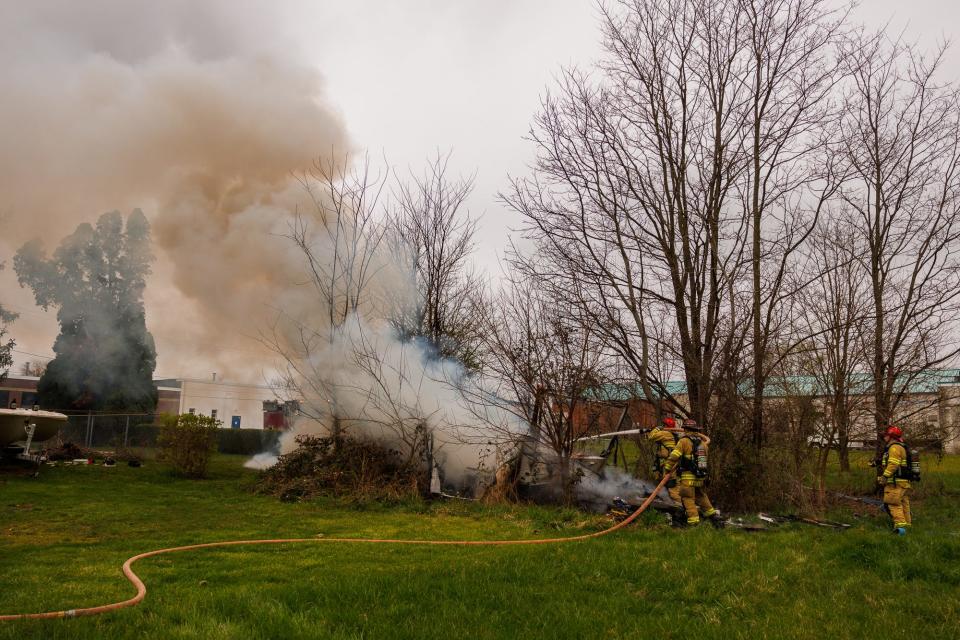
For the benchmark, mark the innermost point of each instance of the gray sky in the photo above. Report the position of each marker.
(405, 78)
(412, 77)
(416, 75)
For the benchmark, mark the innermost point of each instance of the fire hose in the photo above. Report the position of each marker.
(142, 588)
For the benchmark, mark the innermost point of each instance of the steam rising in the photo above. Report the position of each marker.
(614, 483)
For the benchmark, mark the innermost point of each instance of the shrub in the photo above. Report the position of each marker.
(358, 468)
(187, 441)
(143, 435)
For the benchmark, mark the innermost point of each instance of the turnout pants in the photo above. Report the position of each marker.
(898, 504)
(672, 487)
(692, 497)
(674, 493)
(673, 490)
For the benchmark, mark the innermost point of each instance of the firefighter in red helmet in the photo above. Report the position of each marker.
(896, 472)
(665, 439)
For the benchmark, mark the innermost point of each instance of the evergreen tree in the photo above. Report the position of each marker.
(6, 344)
(104, 356)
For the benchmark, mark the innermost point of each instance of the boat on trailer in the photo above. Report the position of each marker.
(21, 428)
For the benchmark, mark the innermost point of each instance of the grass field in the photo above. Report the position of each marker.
(64, 536)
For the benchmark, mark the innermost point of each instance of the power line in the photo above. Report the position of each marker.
(35, 355)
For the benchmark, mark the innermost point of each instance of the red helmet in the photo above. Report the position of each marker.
(894, 432)
(669, 423)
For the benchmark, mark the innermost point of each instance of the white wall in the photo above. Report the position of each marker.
(227, 399)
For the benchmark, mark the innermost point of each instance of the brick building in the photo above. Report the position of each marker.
(613, 408)
(236, 405)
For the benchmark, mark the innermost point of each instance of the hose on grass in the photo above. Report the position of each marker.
(142, 588)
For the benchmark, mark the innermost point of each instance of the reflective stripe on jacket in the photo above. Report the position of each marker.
(684, 449)
(895, 464)
(665, 441)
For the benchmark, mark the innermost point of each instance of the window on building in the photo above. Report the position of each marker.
(213, 413)
(192, 410)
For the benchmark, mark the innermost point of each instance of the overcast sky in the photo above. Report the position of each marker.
(405, 77)
(413, 77)
(420, 74)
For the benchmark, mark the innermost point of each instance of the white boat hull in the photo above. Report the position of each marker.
(13, 425)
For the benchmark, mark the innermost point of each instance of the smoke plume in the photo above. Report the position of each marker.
(201, 114)
(168, 107)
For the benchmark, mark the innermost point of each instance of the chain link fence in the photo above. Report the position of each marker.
(140, 431)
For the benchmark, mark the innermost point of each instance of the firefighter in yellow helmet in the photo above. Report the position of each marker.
(689, 457)
(896, 473)
(665, 438)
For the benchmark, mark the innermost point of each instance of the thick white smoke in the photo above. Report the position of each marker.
(384, 388)
(198, 113)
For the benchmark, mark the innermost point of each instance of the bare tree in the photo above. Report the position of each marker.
(834, 314)
(901, 143)
(788, 182)
(834, 311)
(433, 237)
(540, 362)
(678, 187)
(348, 355)
(33, 368)
(339, 237)
(628, 193)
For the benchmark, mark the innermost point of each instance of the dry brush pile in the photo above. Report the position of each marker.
(341, 467)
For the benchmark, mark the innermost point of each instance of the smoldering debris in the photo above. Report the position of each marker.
(592, 487)
(612, 483)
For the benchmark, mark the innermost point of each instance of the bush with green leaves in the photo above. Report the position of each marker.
(187, 441)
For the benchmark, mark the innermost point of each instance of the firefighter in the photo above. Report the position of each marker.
(665, 438)
(895, 479)
(689, 455)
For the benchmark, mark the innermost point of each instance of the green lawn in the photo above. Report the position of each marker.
(64, 536)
